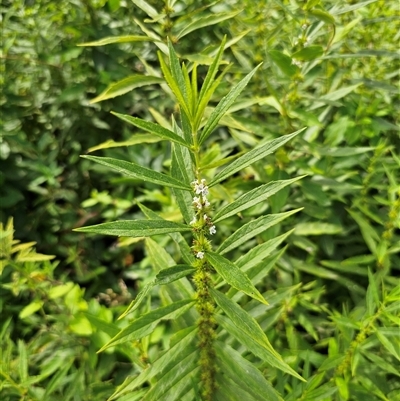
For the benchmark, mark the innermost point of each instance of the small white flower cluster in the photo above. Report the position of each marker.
(200, 188)
(296, 62)
(200, 203)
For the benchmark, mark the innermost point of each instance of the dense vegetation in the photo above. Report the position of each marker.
(321, 245)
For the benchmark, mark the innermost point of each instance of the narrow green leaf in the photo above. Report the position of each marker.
(252, 198)
(246, 329)
(322, 16)
(177, 74)
(135, 228)
(22, 361)
(224, 105)
(368, 232)
(260, 252)
(172, 82)
(372, 296)
(251, 229)
(353, 7)
(284, 62)
(139, 326)
(134, 140)
(118, 39)
(392, 344)
(176, 353)
(308, 53)
(234, 276)
(165, 385)
(252, 156)
(138, 300)
(134, 170)
(147, 8)
(153, 128)
(186, 252)
(229, 390)
(245, 374)
(207, 20)
(206, 88)
(31, 308)
(126, 85)
(312, 228)
(173, 273)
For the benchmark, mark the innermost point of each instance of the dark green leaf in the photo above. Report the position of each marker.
(135, 228)
(126, 85)
(252, 156)
(224, 105)
(139, 326)
(308, 53)
(246, 329)
(153, 128)
(234, 276)
(252, 198)
(134, 170)
(174, 273)
(284, 62)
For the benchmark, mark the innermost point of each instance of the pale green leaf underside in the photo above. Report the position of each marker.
(126, 85)
(251, 229)
(207, 20)
(166, 384)
(246, 329)
(153, 128)
(245, 374)
(260, 252)
(173, 273)
(130, 169)
(252, 198)
(134, 140)
(139, 326)
(135, 228)
(234, 276)
(252, 156)
(118, 39)
(175, 354)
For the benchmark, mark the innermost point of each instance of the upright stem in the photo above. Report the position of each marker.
(202, 228)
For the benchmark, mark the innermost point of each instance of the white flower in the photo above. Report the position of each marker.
(213, 230)
(194, 220)
(200, 255)
(205, 217)
(206, 202)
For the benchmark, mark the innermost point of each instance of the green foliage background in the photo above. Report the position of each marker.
(333, 290)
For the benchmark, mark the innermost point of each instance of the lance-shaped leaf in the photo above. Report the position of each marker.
(138, 300)
(140, 327)
(175, 80)
(234, 276)
(207, 20)
(135, 228)
(168, 386)
(126, 85)
(245, 374)
(224, 105)
(260, 252)
(134, 170)
(252, 156)
(251, 229)
(246, 329)
(153, 128)
(166, 276)
(118, 39)
(176, 353)
(252, 198)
